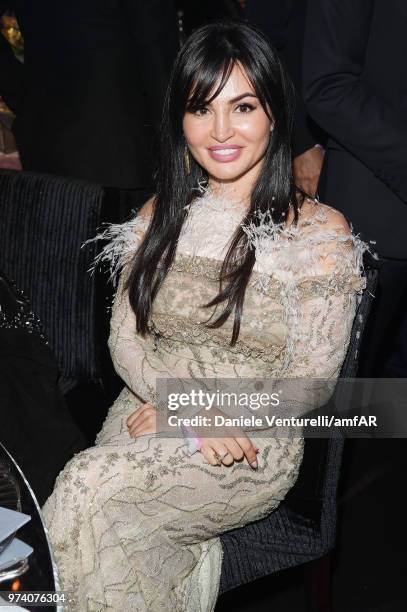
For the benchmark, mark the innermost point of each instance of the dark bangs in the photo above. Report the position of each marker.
(208, 68)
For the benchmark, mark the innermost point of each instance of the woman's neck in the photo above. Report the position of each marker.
(238, 189)
(228, 191)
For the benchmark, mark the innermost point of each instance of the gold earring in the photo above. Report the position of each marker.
(187, 162)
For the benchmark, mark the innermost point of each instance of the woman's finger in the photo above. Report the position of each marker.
(210, 454)
(145, 418)
(234, 449)
(130, 420)
(144, 426)
(139, 413)
(222, 453)
(249, 451)
(227, 459)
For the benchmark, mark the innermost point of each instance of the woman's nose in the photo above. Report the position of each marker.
(222, 128)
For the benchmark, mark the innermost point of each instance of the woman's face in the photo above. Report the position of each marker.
(229, 136)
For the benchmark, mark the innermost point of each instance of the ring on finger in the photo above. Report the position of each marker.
(219, 458)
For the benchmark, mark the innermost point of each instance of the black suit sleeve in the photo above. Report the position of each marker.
(11, 73)
(284, 22)
(153, 27)
(336, 38)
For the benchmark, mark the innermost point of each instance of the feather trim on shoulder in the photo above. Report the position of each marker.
(296, 251)
(292, 254)
(123, 242)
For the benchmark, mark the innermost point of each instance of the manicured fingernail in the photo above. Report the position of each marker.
(254, 465)
(257, 450)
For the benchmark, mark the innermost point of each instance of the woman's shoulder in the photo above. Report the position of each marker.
(146, 211)
(327, 237)
(316, 216)
(321, 242)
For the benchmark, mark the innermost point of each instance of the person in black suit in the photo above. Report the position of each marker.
(355, 86)
(284, 22)
(90, 92)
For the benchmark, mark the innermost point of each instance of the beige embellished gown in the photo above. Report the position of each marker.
(134, 523)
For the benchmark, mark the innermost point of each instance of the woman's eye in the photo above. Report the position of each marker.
(200, 112)
(245, 108)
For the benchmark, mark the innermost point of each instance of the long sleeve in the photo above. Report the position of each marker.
(337, 96)
(320, 304)
(325, 324)
(320, 345)
(133, 356)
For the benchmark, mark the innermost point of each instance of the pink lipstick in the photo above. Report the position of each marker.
(225, 153)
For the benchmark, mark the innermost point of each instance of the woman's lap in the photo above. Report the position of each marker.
(139, 503)
(159, 472)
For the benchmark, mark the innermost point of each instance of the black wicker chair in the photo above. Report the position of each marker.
(302, 528)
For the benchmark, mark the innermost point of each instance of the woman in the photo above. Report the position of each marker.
(134, 521)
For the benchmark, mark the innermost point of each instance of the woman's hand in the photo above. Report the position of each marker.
(230, 444)
(228, 450)
(307, 169)
(142, 421)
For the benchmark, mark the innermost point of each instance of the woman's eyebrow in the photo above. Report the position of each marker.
(243, 95)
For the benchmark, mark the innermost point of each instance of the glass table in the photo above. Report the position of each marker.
(39, 574)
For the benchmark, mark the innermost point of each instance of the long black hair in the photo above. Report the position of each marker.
(201, 70)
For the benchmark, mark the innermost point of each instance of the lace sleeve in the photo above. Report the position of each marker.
(134, 357)
(326, 292)
(321, 301)
(325, 324)
(319, 348)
